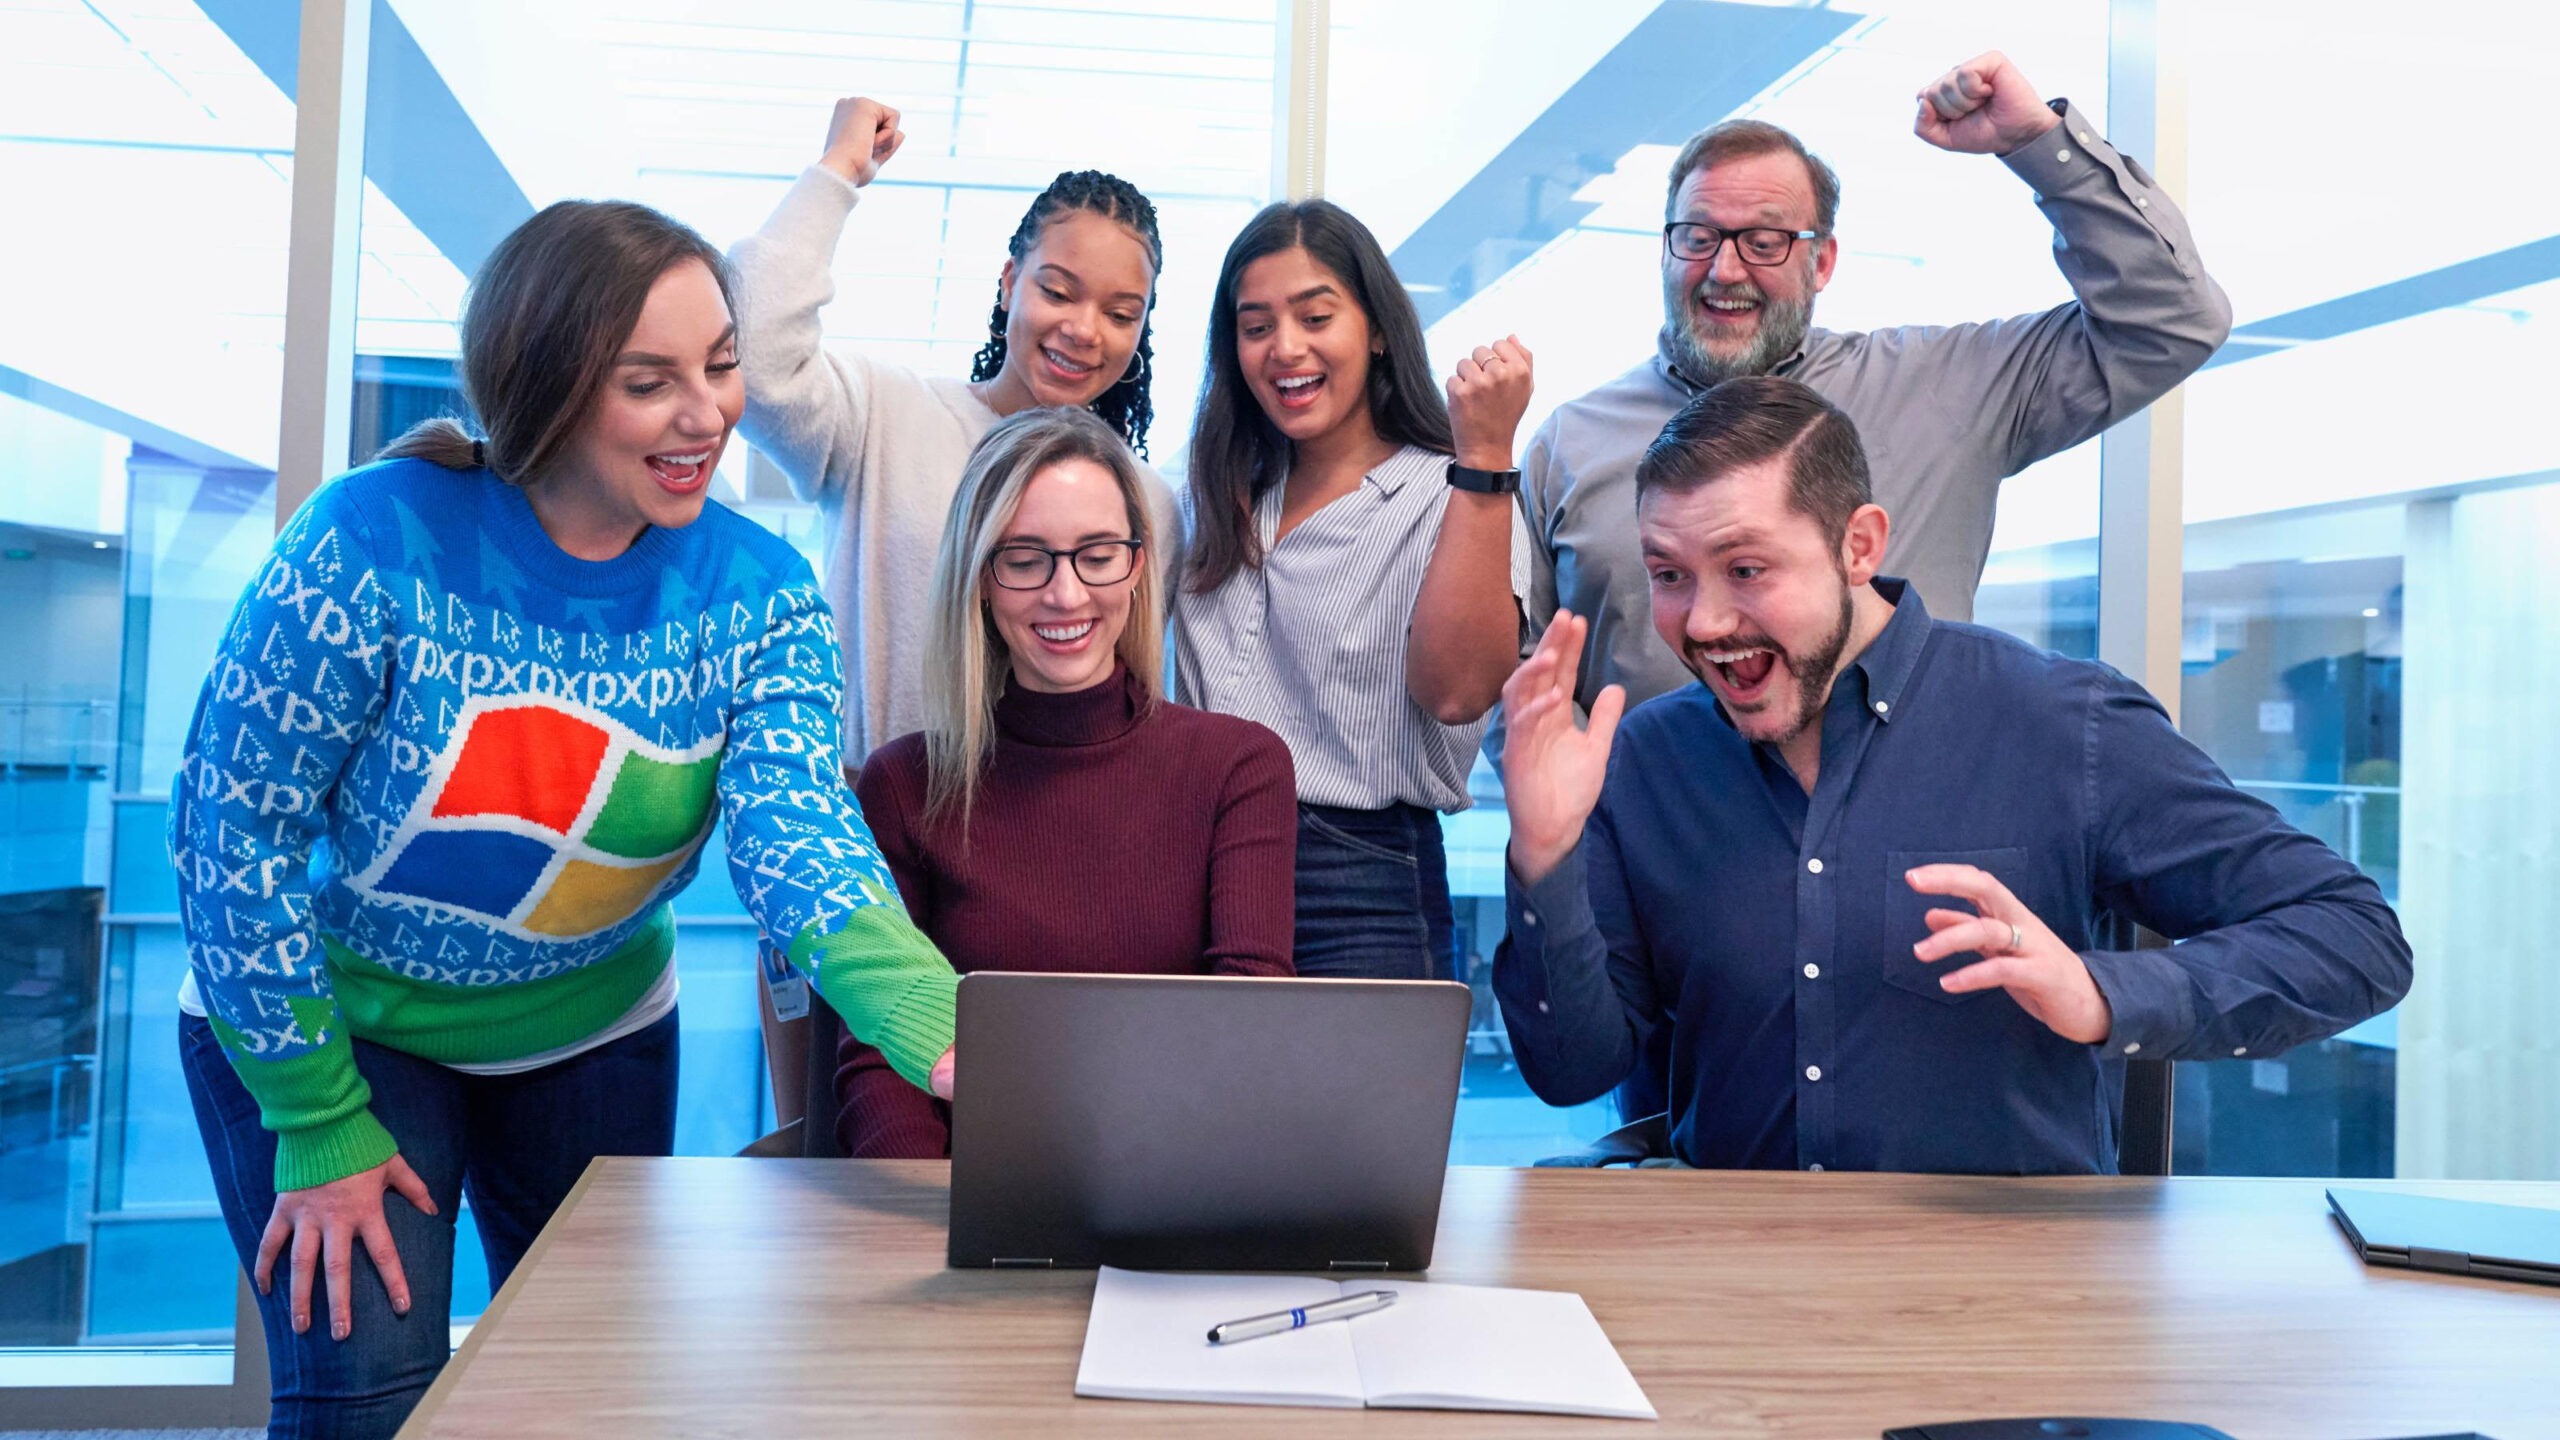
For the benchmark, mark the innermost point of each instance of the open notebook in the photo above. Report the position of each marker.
(1439, 1347)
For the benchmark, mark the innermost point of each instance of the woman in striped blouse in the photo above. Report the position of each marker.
(1324, 470)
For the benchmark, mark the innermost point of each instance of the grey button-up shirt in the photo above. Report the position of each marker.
(1946, 412)
(1311, 642)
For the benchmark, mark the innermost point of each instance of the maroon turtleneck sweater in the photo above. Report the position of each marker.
(1103, 840)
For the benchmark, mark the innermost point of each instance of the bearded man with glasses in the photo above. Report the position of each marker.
(1947, 412)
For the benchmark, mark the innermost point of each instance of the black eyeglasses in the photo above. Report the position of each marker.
(1757, 245)
(1029, 567)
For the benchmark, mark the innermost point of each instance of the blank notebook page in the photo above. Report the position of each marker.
(1148, 1339)
(1468, 1347)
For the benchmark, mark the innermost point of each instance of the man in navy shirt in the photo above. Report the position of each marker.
(1859, 871)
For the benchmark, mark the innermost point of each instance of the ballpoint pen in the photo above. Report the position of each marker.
(1279, 1320)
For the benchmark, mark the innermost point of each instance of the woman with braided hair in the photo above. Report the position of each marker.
(880, 447)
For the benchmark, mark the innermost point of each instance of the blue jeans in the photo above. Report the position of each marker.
(1373, 895)
(514, 1143)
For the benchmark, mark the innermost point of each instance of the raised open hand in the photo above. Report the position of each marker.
(1552, 768)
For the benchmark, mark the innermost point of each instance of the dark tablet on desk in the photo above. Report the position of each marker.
(1202, 1123)
(2455, 1237)
(2087, 1428)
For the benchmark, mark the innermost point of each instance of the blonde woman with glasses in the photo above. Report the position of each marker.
(1056, 812)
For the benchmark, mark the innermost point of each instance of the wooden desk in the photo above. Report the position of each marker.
(809, 1297)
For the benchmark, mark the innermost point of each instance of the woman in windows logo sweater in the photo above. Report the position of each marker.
(466, 735)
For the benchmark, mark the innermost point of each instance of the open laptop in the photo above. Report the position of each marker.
(2456, 1237)
(1190, 1123)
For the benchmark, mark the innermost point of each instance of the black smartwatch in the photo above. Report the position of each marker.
(1484, 482)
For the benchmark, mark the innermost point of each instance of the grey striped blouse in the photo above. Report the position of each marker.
(1312, 643)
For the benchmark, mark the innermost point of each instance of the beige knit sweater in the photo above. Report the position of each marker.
(879, 447)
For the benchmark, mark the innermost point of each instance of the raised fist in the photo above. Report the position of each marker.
(1982, 107)
(861, 137)
(1487, 395)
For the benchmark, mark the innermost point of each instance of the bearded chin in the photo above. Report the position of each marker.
(1783, 326)
(1813, 684)
(1813, 671)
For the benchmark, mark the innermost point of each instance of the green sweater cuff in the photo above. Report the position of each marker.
(319, 1154)
(894, 990)
(917, 1032)
(314, 1100)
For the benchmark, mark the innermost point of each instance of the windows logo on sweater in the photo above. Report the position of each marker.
(548, 820)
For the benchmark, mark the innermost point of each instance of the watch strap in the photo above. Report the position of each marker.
(1484, 482)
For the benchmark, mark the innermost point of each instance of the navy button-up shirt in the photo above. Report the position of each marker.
(1771, 930)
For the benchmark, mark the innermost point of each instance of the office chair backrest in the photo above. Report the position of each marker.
(818, 1083)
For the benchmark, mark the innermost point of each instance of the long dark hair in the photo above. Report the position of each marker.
(545, 317)
(1237, 454)
(1126, 405)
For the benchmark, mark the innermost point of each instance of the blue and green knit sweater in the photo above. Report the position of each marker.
(444, 778)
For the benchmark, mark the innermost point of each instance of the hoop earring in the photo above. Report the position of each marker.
(1137, 371)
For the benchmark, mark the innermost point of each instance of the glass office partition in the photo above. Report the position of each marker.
(2370, 507)
(149, 150)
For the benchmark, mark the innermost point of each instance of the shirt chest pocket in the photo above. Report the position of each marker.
(1906, 916)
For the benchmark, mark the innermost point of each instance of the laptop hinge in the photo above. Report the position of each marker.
(2448, 1262)
(1355, 1265)
(1022, 1262)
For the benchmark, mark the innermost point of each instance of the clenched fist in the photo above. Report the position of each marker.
(1487, 395)
(861, 137)
(1983, 107)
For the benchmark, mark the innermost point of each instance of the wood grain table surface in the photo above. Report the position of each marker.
(711, 1297)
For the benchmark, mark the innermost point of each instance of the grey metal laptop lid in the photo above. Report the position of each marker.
(2460, 1237)
(1179, 1122)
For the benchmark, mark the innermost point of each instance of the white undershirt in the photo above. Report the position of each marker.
(653, 1005)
